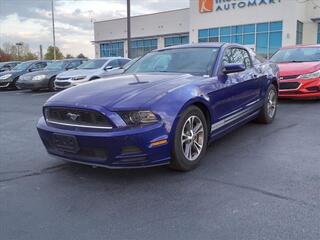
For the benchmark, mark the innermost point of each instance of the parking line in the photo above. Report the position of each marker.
(41, 94)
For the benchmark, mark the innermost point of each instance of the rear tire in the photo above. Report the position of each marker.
(269, 110)
(190, 140)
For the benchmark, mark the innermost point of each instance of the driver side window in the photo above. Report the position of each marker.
(237, 55)
(114, 64)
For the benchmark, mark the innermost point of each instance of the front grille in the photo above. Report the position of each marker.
(289, 77)
(61, 78)
(289, 85)
(77, 117)
(61, 84)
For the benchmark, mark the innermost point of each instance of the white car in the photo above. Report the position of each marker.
(89, 70)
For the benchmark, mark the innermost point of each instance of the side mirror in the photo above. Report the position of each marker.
(32, 69)
(233, 68)
(69, 68)
(108, 68)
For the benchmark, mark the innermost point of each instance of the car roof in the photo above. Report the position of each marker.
(193, 45)
(109, 58)
(302, 46)
(203, 45)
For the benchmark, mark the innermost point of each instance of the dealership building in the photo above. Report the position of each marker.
(264, 25)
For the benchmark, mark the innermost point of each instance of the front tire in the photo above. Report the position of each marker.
(190, 140)
(51, 86)
(269, 109)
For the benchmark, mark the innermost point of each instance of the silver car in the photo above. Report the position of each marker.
(90, 70)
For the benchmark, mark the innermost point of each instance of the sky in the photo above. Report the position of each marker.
(29, 21)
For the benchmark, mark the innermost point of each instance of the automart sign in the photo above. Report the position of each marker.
(225, 5)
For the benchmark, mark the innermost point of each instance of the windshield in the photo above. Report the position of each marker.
(22, 66)
(306, 54)
(196, 61)
(93, 64)
(56, 65)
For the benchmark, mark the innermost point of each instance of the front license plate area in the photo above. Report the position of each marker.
(65, 143)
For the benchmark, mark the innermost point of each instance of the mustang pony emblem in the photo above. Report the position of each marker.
(72, 116)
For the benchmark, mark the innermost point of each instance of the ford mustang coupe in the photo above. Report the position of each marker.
(299, 71)
(164, 109)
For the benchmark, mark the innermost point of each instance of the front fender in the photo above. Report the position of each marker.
(172, 105)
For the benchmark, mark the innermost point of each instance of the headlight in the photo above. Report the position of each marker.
(39, 77)
(135, 118)
(5, 76)
(78, 78)
(315, 74)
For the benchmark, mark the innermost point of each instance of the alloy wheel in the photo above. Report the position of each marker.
(192, 138)
(272, 103)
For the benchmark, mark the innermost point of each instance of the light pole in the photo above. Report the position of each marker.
(18, 44)
(53, 31)
(128, 28)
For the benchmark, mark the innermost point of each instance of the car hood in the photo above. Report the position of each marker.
(48, 73)
(14, 73)
(80, 72)
(129, 91)
(288, 69)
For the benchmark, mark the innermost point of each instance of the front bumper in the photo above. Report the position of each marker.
(20, 84)
(300, 89)
(63, 84)
(127, 148)
(6, 83)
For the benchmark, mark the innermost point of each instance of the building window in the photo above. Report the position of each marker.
(299, 32)
(111, 49)
(267, 37)
(318, 41)
(142, 46)
(176, 40)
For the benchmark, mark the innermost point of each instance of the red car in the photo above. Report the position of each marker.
(299, 71)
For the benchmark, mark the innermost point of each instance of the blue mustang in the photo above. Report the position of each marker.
(165, 109)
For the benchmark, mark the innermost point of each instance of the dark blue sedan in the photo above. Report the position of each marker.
(165, 109)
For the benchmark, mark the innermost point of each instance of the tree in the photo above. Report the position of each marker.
(18, 52)
(49, 53)
(69, 56)
(4, 57)
(81, 55)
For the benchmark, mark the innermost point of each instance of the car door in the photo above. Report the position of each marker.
(240, 89)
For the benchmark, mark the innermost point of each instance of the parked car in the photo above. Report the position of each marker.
(299, 71)
(119, 70)
(45, 78)
(8, 79)
(163, 110)
(7, 66)
(90, 70)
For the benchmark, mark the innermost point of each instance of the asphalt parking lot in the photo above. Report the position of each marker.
(259, 182)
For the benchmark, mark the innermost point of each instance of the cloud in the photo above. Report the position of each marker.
(30, 20)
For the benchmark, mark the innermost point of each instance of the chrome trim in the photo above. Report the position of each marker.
(232, 118)
(249, 104)
(77, 125)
